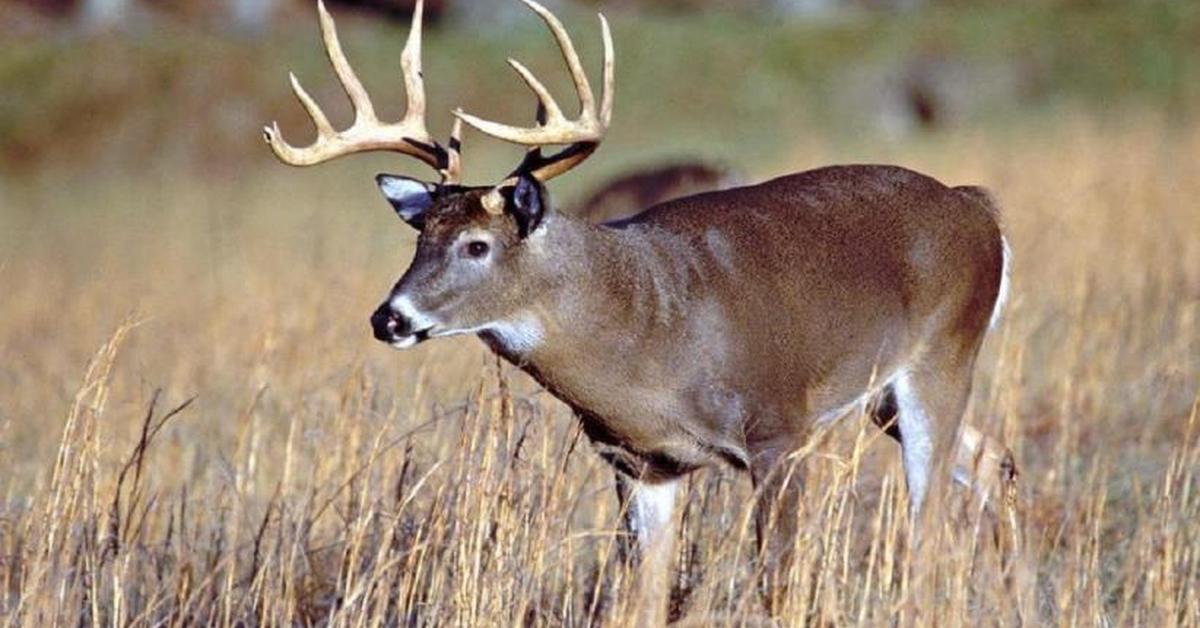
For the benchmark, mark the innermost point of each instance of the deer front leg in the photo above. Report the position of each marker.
(779, 487)
(649, 519)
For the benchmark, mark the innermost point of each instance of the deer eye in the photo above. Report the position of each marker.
(477, 249)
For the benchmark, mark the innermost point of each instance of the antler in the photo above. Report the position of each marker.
(367, 133)
(582, 134)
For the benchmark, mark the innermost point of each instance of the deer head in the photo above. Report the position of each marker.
(474, 264)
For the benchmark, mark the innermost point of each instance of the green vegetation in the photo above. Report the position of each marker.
(738, 87)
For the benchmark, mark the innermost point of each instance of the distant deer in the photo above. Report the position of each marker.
(629, 193)
(721, 328)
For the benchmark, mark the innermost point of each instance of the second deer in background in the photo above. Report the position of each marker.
(633, 191)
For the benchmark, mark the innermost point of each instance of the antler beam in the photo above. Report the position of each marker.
(367, 133)
(582, 134)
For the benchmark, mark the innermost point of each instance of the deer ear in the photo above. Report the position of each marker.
(411, 198)
(529, 200)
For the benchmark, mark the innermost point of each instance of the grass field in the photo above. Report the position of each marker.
(196, 426)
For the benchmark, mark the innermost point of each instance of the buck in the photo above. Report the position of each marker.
(721, 328)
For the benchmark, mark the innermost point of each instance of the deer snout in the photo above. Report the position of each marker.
(388, 325)
(399, 326)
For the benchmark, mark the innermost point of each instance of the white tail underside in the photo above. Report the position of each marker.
(1005, 273)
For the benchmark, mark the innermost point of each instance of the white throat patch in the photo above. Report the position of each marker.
(518, 336)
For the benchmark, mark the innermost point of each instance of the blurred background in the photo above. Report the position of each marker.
(134, 183)
(151, 84)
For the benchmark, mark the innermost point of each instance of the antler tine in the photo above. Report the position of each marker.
(410, 67)
(367, 133)
(452, 173)
(363, 109)
(311, 106)
(584, 133)
(567, 47)
(606, 96)
(546, 101)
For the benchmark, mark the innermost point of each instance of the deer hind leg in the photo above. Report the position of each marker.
(923, 409)
(648, 544)
(986, 466)
(989, 468)
(930, 400)
(981, 463)
(926, 407)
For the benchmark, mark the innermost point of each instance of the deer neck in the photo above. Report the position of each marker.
(601, 293)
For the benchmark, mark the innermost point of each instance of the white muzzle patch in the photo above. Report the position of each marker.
(417, 320)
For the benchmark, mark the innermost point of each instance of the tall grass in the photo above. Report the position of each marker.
(239, 451)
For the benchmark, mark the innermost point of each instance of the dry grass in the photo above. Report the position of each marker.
(318, 477)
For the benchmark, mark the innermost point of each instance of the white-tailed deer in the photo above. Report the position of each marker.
(720, 328)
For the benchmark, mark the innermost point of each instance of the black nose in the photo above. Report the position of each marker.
(387, 325)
